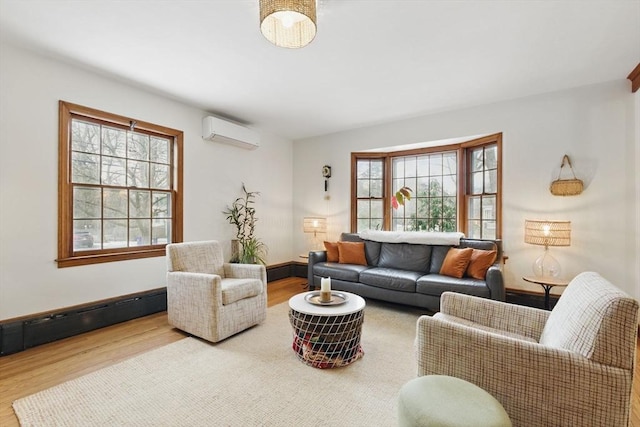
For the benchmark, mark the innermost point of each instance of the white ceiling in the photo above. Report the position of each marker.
(371, 62)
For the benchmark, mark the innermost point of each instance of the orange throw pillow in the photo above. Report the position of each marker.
(480, 262)
(456, 262)
(332, 251)
(351, 253)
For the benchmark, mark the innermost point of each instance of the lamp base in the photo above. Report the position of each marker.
(546, 266)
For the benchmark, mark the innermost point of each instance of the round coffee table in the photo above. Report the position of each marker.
(327, 336)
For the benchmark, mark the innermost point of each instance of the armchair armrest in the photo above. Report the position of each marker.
(537, 385)
(246, 271)
(314, 257)
(191, 299)
(517, 319)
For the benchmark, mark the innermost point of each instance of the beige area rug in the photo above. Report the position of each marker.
(251, 379)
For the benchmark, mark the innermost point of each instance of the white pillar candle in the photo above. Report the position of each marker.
(325, 284)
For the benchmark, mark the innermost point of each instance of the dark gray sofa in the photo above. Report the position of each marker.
(406, 273)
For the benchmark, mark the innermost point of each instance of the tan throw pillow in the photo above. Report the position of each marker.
(456, 262)
(351, 253)
(480, 262)
(332, 251)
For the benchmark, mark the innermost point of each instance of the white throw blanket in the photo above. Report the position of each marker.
(418, 237)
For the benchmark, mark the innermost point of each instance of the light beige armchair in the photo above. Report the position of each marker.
(209, 298)
(572, 366)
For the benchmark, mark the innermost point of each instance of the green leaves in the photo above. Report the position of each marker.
(400, 197)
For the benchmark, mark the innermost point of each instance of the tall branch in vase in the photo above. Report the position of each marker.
(242, 215)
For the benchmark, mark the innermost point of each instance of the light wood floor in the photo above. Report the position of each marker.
(36, 369)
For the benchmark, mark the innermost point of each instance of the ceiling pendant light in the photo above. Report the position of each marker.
(288, 23)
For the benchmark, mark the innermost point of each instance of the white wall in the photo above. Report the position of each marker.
(30, 87)
(590, 124)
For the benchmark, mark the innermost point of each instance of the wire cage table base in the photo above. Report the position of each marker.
(327, 337)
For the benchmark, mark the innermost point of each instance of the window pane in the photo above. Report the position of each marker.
(450, 163)
(161, 232)
(435, 186)
(159, 150)
(160, 176)
(376, 169)
(397, 224)
(477, 163)
(139, 204)
(363, 169)
(376, 188)
(410, 167)
(435, 164)
(86, 235)
(362, 189)
(138, 147)
(137, 174)
(398, 167)
(488, 229)
(491, 181)
(376, 224)
(161, 205)
(423, 166)
(449, 207)
(449, 185)
(477, 182)
(139, 232)
(376, 209)
(363, 209)
(422, 187)
(114, 142)
(491, 157)
(115, 234)
(85, 168)
(115, 203)
(85, 137)
(473, 229)
(423, 207)
(363, 224)
(473, 211)
(113, 171)
(489, 207)
(86, 203)
(435, 208)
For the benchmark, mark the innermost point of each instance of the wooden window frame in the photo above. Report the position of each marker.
(463, 178)
(67, 257)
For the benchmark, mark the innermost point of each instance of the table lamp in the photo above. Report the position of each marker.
(547, 233)
(314, 225)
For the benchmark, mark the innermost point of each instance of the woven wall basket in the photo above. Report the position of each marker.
(566, 187)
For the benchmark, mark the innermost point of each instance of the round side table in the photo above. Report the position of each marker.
(547, 283)
(327, 336)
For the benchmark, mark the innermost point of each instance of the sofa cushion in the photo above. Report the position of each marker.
(371, 248)
(351, 253)
(479, 263)
(332, 251)
(405, 256)
(456, 262)
(436, 284)
(346, 272)
(390, 278)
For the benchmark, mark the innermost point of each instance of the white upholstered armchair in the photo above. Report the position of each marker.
(209, 298)
(572, 366)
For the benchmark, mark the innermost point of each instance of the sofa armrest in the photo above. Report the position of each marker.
(527, 378)
(314, 257)
(495, 283)
(246, 271)
(517, 319)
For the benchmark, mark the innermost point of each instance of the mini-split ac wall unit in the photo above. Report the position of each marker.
(218, 130)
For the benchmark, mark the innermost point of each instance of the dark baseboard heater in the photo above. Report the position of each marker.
(29, 331)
